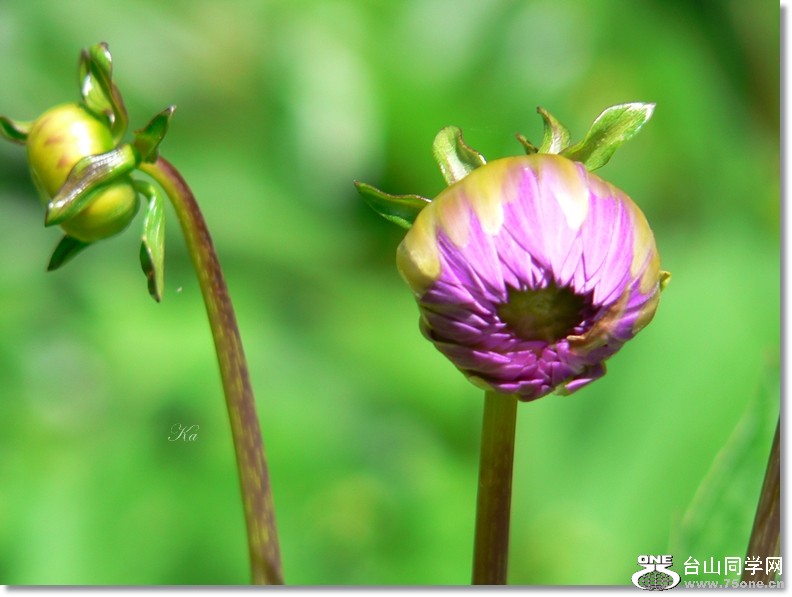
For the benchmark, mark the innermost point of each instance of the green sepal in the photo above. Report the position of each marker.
(455, 158)
(529, 147)
(88, 174)
(148, 139)
(152, 247)
(65, 251)
(14, 131)
(99, 93)
(556, 136)
(399, 209)
(613, 127)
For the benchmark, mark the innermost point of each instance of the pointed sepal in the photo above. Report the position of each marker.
(65, 251)
(455, 158)
(148, 139)
(613, 127)
(529, 147)
(556, 136)
(14, 131)
(665, 278)
(399, 209)
(88, 174)
(99, 93)
(152, 247)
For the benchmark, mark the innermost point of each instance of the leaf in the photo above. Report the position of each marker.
(455, 158)
(16, 132)
(556, 136)
(148, 139)
(152, 247)
(399, 209)
(613, 127)
(65, 251)
(99, 93)
(88, 174)
(719, 518)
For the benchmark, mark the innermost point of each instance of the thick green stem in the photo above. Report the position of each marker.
(766, 531)
(493, 508)
(265, 558)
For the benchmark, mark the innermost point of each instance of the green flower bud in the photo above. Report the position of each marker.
(59, 139)
(83, 171)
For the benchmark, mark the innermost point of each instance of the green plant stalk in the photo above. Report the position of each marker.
(493, 508)
(265, 558)
(766, 532)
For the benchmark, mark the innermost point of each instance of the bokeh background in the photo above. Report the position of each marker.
(372, 436)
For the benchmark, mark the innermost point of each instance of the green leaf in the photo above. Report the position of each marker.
(556, 136)
(16, 132)
(718, 521)
(152, 249)
(99, 93)
(399, 209)
(65, 251)
(455, 158)
(148, 139)
(613, 127)
(86, 176)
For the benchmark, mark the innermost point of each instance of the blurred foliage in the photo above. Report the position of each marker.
(372, 436)
(719, 504)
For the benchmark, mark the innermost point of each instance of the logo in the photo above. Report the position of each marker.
(655, 575)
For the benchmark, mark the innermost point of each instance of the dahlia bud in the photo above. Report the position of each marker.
(529, 272)
(82, 171)
(56, 142)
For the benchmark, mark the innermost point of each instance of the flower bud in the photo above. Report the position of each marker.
(57, 141)
(529, 272)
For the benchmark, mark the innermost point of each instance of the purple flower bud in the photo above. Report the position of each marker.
(530, 272)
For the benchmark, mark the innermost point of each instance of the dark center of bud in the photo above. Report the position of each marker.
(546, 314)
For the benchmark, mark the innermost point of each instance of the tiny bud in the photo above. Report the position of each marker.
(57, 141)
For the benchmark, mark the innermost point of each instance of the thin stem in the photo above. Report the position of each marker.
(493, 508)
(766, 531)
(265, 558)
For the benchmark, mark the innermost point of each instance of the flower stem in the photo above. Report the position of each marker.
(493, 508)
(766, 531)
(264, 550)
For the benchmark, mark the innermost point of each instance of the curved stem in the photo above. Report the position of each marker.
(766, 531)
(493, 508)
(265, 559)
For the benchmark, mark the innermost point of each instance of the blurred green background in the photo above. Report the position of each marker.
(371, 434)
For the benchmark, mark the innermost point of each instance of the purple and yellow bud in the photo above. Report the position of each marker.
(531, 271)
(57, 141)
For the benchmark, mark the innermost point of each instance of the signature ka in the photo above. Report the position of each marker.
(183, 432)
